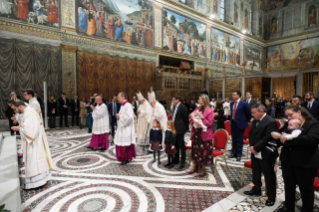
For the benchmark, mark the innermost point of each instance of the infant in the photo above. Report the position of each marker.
(196, 118)
(293, 131)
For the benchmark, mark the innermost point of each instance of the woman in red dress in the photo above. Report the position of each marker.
(53, 14)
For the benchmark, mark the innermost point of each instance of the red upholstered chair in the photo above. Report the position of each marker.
(228, 129)
(170, 117)
(278, 124)
(220, 142)
(246, 138)
(166, 112)
(247, 165)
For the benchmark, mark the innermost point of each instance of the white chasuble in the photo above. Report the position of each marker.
(125, 134)
(144, 123)
(159, 114)
(101, 120)
(38, 159)
(36, 106)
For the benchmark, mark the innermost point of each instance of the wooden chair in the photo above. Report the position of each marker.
(220, 142)
(228, 129)
(246, 138)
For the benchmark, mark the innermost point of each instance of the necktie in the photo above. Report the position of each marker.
(114, 109)
(174, 113)
(257, 122)
(309, 106)
(234, 113)
(76, 105)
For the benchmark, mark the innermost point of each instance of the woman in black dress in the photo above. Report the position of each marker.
(300, 159)
(52, 111)
(219, 115)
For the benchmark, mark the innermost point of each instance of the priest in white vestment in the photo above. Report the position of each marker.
(125, 135)
(145, 112)
(33, 102)
(159, 112)
(38, 161)
(101, 128)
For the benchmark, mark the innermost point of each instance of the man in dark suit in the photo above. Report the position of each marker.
(113, 107)
(311, 105)
(9, 113)
(75, 109)
(180, 117)
(249, 99)
(259, 136)
(63, 109)
(240, 116)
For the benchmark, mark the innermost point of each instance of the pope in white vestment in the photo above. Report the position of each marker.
(159, 112)
(145, 112)
(125, 135)
(101, 128)
(38, 161)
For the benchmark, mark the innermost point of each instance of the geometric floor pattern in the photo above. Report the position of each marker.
(91, 181)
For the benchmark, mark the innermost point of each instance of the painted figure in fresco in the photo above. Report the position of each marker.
(128, 35)
(171, 43)
(23, 9)
(221, 55)
(181, 34)
(246, 20)
(110, 28)
(186, 49)
(91, 24)
(215, 6)
(149, 37)
(98, 22)
(274, 26)
(235, 13)
(200, 3)
(118, 29)
(37, 7)
(312, 18)
(83, 24)
(53, 14)
(179, 47)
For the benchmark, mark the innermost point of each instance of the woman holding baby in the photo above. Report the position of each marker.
(299, 157)
(202, 135)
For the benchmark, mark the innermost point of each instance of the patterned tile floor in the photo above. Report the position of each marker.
(85, 180)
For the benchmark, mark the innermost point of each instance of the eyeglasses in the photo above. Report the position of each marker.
(289, 115)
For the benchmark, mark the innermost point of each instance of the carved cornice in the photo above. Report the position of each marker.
(67, 48)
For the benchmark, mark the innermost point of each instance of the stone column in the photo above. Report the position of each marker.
(208, 42)
(69, 75)
(243, 86)
(224, 88)
(68, 15)
(241, 53)
(158, 26)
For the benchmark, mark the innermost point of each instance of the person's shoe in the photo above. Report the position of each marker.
(238, 159)
(89, 147)
(194, 169)
(123, 163)
(171, 166)
(176, 162)
(67, 125)
(270, 202)
(253, 193)
(181, 166)
(159, 162)
(285, 209)
(232, 156)
(167, 165)
(127, 161)
(202, 172)
(154, 160)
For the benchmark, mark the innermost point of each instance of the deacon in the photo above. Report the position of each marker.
(159, 112)
(33, 102)
(101, 129)
(144, 113)
(125, 134)
(38, 157)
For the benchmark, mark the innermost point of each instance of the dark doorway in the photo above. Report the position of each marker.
(266, 87)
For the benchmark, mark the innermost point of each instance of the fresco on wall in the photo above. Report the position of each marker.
(312, 16)
(225, 48)
(127, 21)
(183, 35)
(295, 55)
(273, 4)
(41, 12)
(252, 57)
(235, 12)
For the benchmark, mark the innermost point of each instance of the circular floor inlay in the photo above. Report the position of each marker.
(83, 160)
(92, 205)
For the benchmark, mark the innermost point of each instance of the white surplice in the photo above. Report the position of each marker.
(159, 113)
(38, 161)
(144, 123)
(125, 134)
(36, 106)
(101, 120)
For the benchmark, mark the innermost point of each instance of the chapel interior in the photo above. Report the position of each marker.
(171, 47)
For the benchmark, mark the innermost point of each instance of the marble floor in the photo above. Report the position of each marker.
(91, 181)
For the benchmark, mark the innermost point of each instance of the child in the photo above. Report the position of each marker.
(170, 139)
(293, 131)
(156, 139)
(196, 118)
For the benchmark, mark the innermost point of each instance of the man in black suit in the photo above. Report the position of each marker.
(63, 109)
(311, 105)
(297, 100)
(249, 99)
(180, 117)
(75, 108)
(259, 136)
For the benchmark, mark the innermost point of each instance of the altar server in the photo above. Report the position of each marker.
(33, 102)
